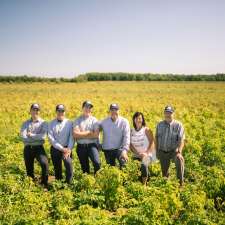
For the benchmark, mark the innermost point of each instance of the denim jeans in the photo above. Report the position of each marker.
(86, 151)
(38, 152)
(57, 158)
(112, 155)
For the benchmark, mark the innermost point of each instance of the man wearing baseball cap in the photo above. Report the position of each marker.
(169, 143)
(61, 139)
(33, 133)
(116, 137)
(86, 133)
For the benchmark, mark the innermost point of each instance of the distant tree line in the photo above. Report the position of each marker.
(116, 77)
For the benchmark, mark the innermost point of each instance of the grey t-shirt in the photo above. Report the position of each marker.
(38, 130)
(169, 135)
(86, 124)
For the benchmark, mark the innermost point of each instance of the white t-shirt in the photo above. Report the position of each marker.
(140, 141)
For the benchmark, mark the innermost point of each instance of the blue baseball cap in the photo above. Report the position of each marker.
(35, 106)
(114, 106)
(87, 104)
(169, 109)
(60, 107)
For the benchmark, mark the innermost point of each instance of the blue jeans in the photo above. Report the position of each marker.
(111, 156)
(57, 158)
(38, 152)
(86, 151)
(144, 168)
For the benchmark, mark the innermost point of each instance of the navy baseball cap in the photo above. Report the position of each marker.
(87, 104)
(169, 109)
(114, 106)
(60, 107)
(35, 106)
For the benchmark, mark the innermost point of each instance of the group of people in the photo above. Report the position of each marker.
(117, 140)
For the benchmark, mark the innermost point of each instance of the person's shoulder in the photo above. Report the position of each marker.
(26, 122)
(125, 120)
(68, 121)
(78, 119)
(94, 119)
(161, 123)
(51, 122)
(41, 120)
(178, 123)
(105, 120)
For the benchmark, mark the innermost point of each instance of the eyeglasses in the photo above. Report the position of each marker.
(36, 110)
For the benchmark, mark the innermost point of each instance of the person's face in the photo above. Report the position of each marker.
(114, 114)
(60, 114)
(168, 116)
(86, 110)
(138, 121)
(34, 113)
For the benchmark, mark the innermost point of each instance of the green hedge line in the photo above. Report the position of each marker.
(116, 77)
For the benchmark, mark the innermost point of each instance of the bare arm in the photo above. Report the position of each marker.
(150, 137)
(133, 149)
(156, 139)
(85, 134)
(181, 138)
(181, 146)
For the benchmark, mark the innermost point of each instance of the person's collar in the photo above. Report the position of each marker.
(60, 121)
(114, 120)
(139, 128)
(86, 116)
(35, 121)
(169, 123)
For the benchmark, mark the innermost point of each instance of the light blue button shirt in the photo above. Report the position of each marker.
(60, 134)
(116, 135)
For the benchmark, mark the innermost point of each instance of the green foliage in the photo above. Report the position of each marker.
(114, 196)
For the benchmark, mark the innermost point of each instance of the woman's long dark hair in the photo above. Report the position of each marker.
(143, 119)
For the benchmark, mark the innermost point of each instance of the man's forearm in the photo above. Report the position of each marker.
(181, 146)
(81, 134)
(85, 134)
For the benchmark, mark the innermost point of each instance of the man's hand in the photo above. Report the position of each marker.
(124, 155)
(66, 153)
(179, 156)
(29, 134)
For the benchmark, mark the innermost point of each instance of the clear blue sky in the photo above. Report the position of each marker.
(64, 38)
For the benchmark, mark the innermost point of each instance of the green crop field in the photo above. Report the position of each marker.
(114, 196)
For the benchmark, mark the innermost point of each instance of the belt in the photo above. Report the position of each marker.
(86, 145)
(34, 146)
(112, 149)
(56, 148)
(166, 151)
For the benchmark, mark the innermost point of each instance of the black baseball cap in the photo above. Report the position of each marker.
(35, 106)
(87, 104)
(114, 106)
(60, 107)
(169, 109)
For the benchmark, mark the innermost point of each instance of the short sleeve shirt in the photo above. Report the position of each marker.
(86, 124)
(169, 135)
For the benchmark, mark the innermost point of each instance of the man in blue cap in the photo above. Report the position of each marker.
(169, 143)
(116, 137)
(86, 133)
(60, 135)
(33, 133)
